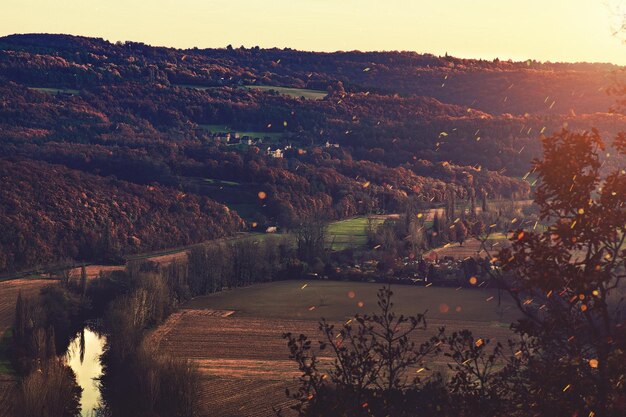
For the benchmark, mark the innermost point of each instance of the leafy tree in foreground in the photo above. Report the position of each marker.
(569, 358)
(374, 370)
(380, 367)
(568, 282)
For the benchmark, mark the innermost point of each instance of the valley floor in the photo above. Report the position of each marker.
(235, 337)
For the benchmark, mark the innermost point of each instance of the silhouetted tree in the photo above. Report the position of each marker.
(370, 373)
(311, 238)
(460, 232)
(568, 282)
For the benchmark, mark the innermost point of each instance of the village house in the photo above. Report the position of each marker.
(277, 152)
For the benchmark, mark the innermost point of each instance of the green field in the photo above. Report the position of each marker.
(289, 91)
(213, 181)
(259, 237)
(51, 90)
(332, 300)
(195, 87)
(244, 210)
(350, 233)
(293, 92)
(273, 136)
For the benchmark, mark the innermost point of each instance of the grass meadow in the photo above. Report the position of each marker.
(293, 92)
(51, 90)
(349, 233)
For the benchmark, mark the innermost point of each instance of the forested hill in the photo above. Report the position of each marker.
(50, 213)
(274, 135)
(496, 87)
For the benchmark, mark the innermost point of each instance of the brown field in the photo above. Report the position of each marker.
(93, 271)
(7, 394)
(235, 336)
(471, 248)
(8, 296)
(243, 361)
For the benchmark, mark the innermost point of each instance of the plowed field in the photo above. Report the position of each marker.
(235, 337)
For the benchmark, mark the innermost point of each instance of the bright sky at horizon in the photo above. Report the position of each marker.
(546, 30)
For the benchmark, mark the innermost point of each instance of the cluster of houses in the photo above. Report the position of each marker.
(231, 138)
(276, 151)
(446, 272)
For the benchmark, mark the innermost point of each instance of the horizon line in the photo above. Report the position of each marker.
(507, 60)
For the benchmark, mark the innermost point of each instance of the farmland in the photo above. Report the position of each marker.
(235, 336)
(7, 392)
(220, 182)
(53, 90)
(349, 233)
(7, 379)
(471, 248)
(293, 92)
(288, 91)
(273, 136)
(9, 291)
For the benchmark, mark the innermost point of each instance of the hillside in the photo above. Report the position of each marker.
(235, 127)
(49, 213)
(529, 87)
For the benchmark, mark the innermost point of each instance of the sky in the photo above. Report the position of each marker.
(546, 30)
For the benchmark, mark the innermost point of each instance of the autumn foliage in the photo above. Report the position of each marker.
(49, 214)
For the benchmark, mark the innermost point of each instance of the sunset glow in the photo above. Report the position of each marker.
(554, 30)
(312, 208)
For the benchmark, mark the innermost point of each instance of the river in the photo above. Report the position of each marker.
(83, 356)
